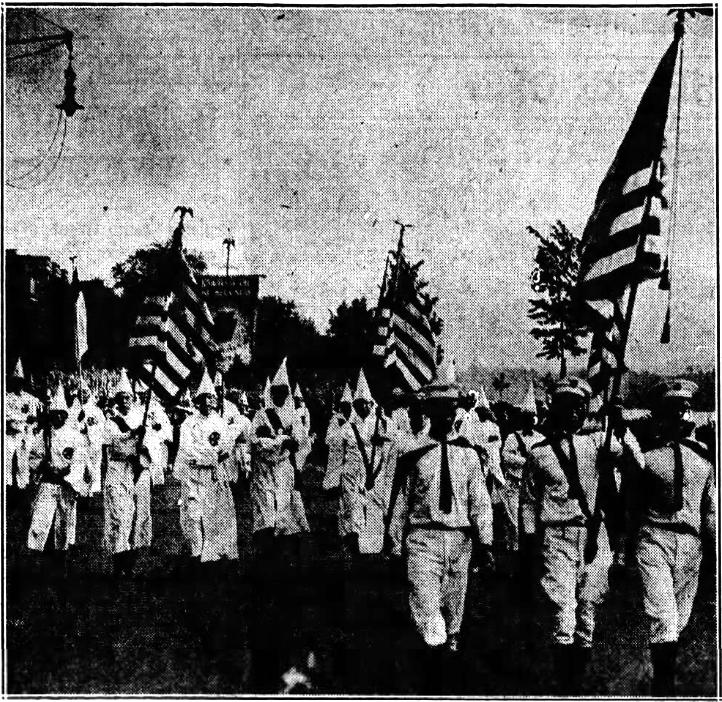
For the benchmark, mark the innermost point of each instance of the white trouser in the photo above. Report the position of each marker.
(572, 586)
(438, 572)
(53, 502)
(669, 568)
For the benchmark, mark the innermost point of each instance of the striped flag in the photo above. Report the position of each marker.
(407, 327)
(175, 332)
(620, 244)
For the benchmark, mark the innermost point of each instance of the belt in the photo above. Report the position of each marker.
(676, 527)
(442, 527)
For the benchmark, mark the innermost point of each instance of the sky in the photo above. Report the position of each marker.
(306, 132)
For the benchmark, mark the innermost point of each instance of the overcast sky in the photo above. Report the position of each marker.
(469, 123)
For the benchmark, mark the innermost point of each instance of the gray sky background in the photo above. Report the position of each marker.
(469, 123)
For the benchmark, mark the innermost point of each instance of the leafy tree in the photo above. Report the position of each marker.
(150, 269)
(553, 279)
(351, 334)
(282, 331)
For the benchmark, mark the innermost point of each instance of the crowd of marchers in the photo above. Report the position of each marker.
(429, 479)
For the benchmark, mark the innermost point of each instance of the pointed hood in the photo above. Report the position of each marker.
(297, 394)
(529, 404)
(363, 391)
(185, 403)
(281, 377)
(347, 395)
(206, 386)
(243, 399)
(482, 401)
(57, 401)
(18, 371)
(122, 385)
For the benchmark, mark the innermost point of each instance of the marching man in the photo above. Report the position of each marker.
(57, 459)
(158, 432)
(365, 485)
(301, 409)
(232, 417)
(334, 440)
(444, 511)
(241, 450)
(678, 485)
(21, 409)
(126, 491)
(91, 423)
(279, 451)
(514, 455)
(559, 501)
(208, 514)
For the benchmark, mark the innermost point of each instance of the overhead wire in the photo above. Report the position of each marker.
(52, 168)
(46, 154)
(44, 50)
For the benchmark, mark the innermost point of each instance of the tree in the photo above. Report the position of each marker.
(553, 279)
(282, 331)
(351, 334)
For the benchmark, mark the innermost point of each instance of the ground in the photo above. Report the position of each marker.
(170, 631)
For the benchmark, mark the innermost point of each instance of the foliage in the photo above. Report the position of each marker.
(553, 279)
(282, 331)
(151, 268)
(351, 330)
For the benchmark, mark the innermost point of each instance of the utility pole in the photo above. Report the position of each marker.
(229, 242)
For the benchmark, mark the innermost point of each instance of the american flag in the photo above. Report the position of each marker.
(620, 244)
(174, 332)
(408, 327)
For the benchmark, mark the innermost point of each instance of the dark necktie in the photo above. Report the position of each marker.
(678, 491)
(445, 484)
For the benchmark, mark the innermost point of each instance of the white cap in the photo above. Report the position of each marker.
(298, 394)
(281, 377)
(18, 371)
(347, 394)
(57, 401)
(362, 388)
(205, 387)
(529, 404)
(122, 385)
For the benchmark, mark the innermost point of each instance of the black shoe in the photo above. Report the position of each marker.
(664, 660)
(563, 666)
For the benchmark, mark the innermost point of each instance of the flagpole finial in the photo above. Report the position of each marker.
(402, 230)
(178, 233)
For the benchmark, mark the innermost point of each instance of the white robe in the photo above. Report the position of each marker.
(19, 435)
(126, 503)
(334, 442)
(158, 431)
(55, 503)
(237, 428)
(207, 510)
(362, 511)
(277, 504)
(92, 426)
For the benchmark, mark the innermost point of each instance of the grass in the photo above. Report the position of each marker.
(169, 632)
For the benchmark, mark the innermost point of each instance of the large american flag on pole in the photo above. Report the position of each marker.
(173, 332)
(620, 245)
(408, 326)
